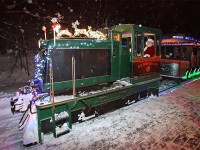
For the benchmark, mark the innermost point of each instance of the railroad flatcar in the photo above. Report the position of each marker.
(97, 73)
(180, 57)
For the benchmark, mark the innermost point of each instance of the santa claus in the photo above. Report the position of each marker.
(149, 50)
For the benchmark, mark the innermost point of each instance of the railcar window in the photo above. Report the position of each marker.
(184, 51)
(138, 44)
(163, 52)
(169, 52)
(124, 42)
(198, 57)
(195, 51)
(180, 52)
(158, 44)
(89, 63)
(188, 52)
(149, 45)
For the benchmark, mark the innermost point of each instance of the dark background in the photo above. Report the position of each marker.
(22, 20)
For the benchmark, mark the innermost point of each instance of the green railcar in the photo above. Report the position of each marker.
(101, 75)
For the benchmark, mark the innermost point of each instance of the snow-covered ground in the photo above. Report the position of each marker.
(167, 122)
(143, 124)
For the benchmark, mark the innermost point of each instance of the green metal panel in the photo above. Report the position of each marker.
(123, 27)
(102, 97)
(65, 44)
(75, 43)
(115, 55)
(48, 112)
(136, 28)
(65, 85)
(94, 100)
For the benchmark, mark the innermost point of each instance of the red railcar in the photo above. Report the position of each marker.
(180, 57)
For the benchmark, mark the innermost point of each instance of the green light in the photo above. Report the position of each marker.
(195, 73)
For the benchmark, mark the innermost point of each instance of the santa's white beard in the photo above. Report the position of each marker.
(145, 48)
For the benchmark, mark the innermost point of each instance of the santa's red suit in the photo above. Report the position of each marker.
(150, 51)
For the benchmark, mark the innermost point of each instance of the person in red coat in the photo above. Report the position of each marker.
(149, 50)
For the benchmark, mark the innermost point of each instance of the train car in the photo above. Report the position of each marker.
(180, 57)
(98, 74)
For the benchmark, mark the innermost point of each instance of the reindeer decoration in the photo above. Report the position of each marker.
(79, 32)
(56, 26)
(88, 33)
(60, 33)
(96, 34)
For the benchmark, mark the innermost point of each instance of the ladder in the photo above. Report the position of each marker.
(61, 115)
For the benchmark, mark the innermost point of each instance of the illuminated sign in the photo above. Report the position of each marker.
(177, 37)
(189, 38)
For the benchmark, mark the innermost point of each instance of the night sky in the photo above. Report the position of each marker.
(22, 20)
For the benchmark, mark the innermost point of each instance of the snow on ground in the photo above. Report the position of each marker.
(170, 121)
(9, 132)
(9, 84)
(139, 125)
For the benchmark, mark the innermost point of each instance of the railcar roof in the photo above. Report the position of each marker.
(76, 43)
(138, 28)
(176, 41)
